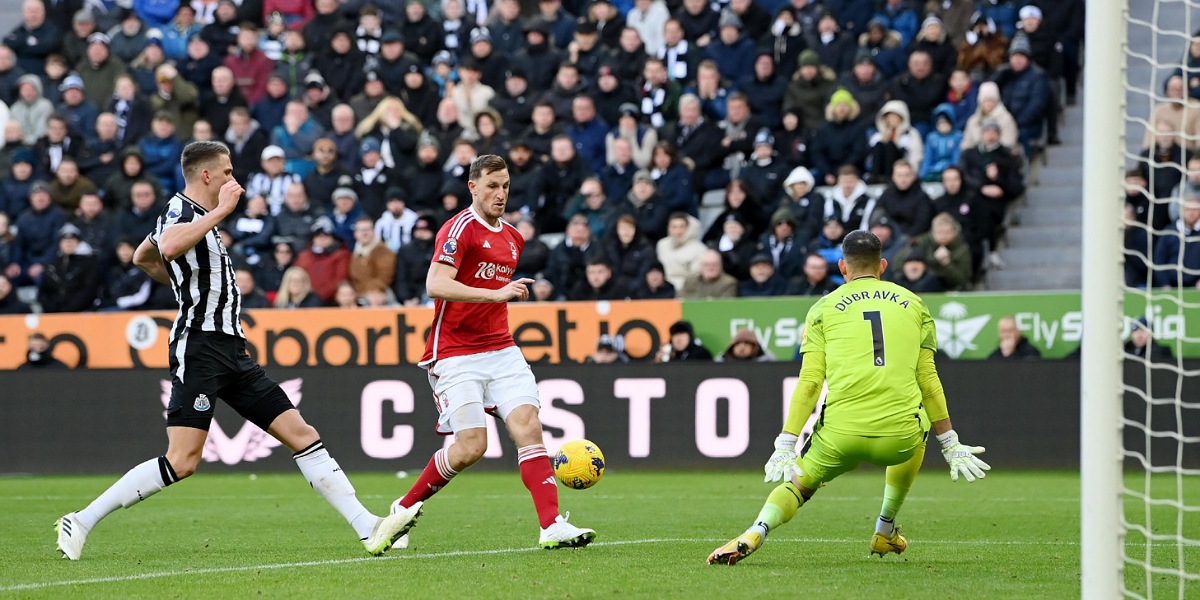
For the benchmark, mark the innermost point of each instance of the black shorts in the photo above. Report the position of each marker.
(215, 365)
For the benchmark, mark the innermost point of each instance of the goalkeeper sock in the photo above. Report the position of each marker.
(893, 499)
(136, 485)
(435, 477)
(780, 507)
(327, 478)
(538, 477)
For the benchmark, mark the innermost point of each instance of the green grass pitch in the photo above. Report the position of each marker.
(1013, 535)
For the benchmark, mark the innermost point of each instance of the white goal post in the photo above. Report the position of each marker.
(1102, 537)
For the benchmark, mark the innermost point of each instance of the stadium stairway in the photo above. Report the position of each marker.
(1041, 249)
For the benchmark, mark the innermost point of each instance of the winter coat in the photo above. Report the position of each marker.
(941, 150)
(695, 286)
(327, 270)
(651, 215)
(32, 46)
(69, 284)
(99, 80)
(888, 146)
(37, 236)
(162, 161)
(853, 211)
(1167, 251)
(773, 286)
(31, 115)
(838, 143)
(910, 210)
(629, 261)
(681, 259)
(921, 95)
(870, 95)
(766, 97)
(372, 268)
(675, 187)
(811, 96)
(956, 275)
(1009, 132)
(733, 60)
(184, 105)
(1027, 95)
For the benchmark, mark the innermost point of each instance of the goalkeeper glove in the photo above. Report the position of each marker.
(962, 458)
(782, 464)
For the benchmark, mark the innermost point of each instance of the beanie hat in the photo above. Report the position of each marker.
(810, 58)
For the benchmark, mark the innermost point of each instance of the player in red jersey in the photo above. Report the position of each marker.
(474, 366)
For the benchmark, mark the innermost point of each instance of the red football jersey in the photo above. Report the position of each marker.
(486, 257)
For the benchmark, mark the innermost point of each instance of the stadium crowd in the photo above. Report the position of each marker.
(657, 149)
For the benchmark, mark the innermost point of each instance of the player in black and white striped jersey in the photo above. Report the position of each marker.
(209, 360)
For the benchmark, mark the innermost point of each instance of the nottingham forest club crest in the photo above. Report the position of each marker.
(956, 331)
(249, 444)
(513, 247)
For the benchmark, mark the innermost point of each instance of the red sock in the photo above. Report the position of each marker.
(538, 477)
(435, 476)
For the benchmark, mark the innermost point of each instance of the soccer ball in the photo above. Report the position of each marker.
(579, 464)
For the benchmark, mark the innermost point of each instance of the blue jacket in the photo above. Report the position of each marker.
(775, 286)
(965, 107)
(941, 151)
(1167, 253)
(903, 21)
(1025, 94)
(1002, 12)
(675, 186)
(589, 142)
(156, 13)
(734, 60)
(162, 160)
(174, 41)
(81, 118)
(37, 236)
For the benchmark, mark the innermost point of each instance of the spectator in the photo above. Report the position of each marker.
(642, 139)
(132, 111)
(890, 240)
(627, 250)
(996, 172)
(38, 356)
(763, 281)
(810, 90)
(913, 273)
(471, 96)
(138, 220)
(745, 347)
(345, 296)
(1181, 113)
(179, 31)
(561, 177)
(672, 179)
(296, 290)
(983, 47)
(196, 68)
(568, 260)
(7, 236)
(541, 130)
(834, 48)
(991, 109)
(490, 64)
(222, 97)
(905, 202)
(649, 18)
(373, 264)
(72, 279)
(294, 222)
(660, 95)
(9, 303)
(118, 190)
(1141, 344)
(69, 186)
(254, 230)
(599, 282)
(866, 83)
(898, 16)
(246, 142)
(326, 262)
(963, 98)
(593, 204)
(412, 264)
(885, 46)
(943, 145)
(646, 205)
(1138, 251)
(921, 89)
(419, 95)
(14, 189)
(681, 251)
(933, 40)
(951, 257)
(340, 64)
(35, 38)
(966, 206)
(252, 297)
(1013, 344)
(344, 213)
(1024, 90)
(456, 24)
(126, 286)
(9, 73)
(1176, 253)
(849, 202)
(142, 67)
(534, 255)
(733, 51)
(80, 114)
(781, 244)
(271, 181)
(58, 143)
(296, 136)
(177, 97)
(270, 109)
(737, 245)
(617, 175)
(683, 346)
(54, 73)
(568, 84)
(37, 233)
(764, 174)
(679, 56)
(30, 109)
(627, 62)
(104, 148)
(765, 89)
(841, 141)
(525, 186)
(588, 131)
(269, 272)
(1047, 55)
(1001, 12)
(607, 351)
(490, 129)
(394, 227)
(741, 203)
(814, 280)
(514, 102)
(895, 139)
(654, 284)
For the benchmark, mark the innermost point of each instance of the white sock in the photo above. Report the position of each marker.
(885, 525)
(327, 478)
(760, 528)
(139, 483)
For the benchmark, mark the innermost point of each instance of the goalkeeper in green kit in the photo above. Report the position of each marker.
(874, 341)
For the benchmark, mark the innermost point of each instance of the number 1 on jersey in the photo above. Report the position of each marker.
(876, 320)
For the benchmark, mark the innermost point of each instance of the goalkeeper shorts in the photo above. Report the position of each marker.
(829, 454)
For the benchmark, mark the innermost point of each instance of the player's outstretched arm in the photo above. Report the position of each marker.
(146, 257)
(441, 284)
(782, 464)
(961, 457)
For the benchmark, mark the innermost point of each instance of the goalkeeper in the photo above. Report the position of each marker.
(883, 392)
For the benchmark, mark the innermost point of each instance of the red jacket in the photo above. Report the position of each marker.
(295, 12)
(327, 270)
(250, 73)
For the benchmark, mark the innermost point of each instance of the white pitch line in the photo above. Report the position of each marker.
(317, 563)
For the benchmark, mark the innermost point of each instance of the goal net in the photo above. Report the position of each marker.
(1149, 546)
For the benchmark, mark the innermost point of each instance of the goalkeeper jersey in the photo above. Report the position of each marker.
(872, 333)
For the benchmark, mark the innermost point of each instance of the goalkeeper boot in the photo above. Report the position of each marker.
(391, 528)
(71, 536)
(883, 544)
(561, 534)
(738, 548)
